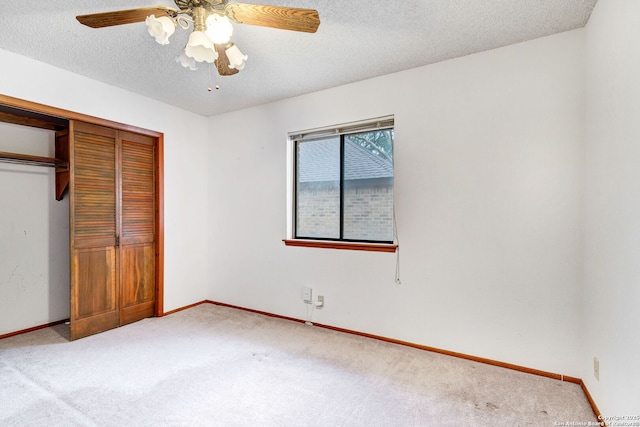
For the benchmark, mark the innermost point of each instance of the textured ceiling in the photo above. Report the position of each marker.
(356, 40)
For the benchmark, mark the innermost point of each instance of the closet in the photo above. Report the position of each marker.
(112, 175)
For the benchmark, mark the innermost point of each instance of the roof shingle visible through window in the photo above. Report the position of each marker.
(320, 161)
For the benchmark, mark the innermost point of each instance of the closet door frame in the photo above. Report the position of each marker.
(56, 114)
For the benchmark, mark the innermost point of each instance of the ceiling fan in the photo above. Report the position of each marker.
(210, 40)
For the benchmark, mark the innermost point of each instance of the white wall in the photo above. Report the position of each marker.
(612, 208)
(186, 219)
(488, 162)
(34, 235)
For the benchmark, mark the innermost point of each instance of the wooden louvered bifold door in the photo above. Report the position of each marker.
(137, 234)
(112, 207)
(93, 230)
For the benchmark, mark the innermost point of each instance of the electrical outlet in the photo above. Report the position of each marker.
(596, 368)
(306, 295)
(320, 302)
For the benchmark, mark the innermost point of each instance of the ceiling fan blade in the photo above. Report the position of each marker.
(285, 18)
(222, 63)
(120, 17)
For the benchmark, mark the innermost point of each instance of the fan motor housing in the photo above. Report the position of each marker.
(207, 4)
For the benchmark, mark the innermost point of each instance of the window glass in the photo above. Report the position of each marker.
(368, 186)
(318, 188)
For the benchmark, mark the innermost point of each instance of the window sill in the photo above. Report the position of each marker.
(372, 247)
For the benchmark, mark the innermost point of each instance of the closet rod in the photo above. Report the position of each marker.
(25, 159)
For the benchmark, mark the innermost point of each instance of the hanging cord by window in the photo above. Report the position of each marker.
(397, 240)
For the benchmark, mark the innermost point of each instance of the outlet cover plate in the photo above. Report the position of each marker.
(307, 294)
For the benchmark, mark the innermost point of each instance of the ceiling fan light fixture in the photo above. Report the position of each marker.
(212, 27)
(219, 28)
(200, 48)
(237, 59)
(186, 62)
(160, 28)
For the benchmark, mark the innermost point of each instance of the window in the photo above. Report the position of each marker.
(343, 183)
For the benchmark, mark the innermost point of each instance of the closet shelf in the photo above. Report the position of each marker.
(25, 159)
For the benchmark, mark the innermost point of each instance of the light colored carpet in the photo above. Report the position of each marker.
(217, 366)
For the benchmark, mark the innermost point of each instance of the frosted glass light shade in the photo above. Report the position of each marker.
(200, 48)
(186, 62)
(160, 28)
(219, 28)
(237, 59)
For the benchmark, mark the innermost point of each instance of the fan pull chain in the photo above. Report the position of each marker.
(209, 88)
